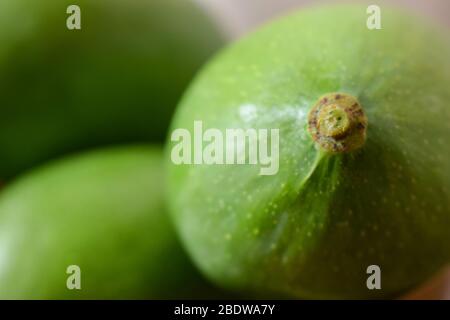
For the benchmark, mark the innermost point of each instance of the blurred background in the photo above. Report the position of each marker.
(238, 17)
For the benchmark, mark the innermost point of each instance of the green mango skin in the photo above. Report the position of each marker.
(311, 230)
(117, 80)
(103, 211)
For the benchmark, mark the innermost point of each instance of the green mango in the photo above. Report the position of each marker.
(103, 212)
(363, 161)
(116, 80)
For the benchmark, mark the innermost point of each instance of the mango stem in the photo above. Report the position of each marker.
(337, 123)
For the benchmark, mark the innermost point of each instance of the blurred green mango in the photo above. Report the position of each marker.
(103, 213)
(116, 80)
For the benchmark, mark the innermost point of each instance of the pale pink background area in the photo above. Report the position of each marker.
(437, 288)
(238, 17)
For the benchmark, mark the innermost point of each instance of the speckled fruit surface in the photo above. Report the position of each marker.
(311, 230)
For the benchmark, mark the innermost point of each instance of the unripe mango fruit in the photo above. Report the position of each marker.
(364, 171)
(102, 212)
(116, 80)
